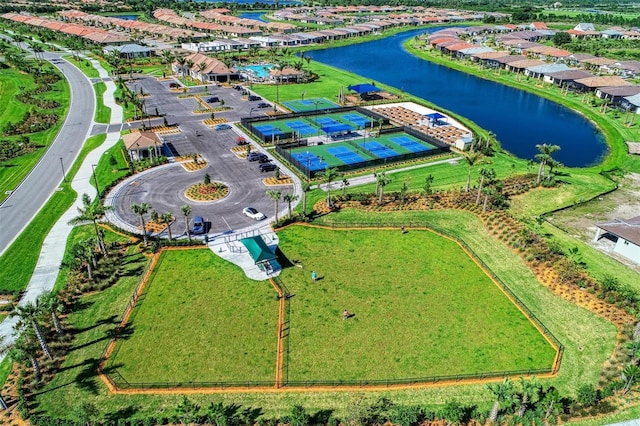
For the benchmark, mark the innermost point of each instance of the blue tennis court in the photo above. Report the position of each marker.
(411, 144)
(326, 121)
(302, 128)
(345, 155)
(312, 161)
(268, 130)
(303, 105)
(378, 149)
(357, 119)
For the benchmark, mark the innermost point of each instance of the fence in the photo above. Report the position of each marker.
(121, 383)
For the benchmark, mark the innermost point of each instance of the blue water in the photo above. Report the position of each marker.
(519, 119)
(260, 71)
(257, 16)
(127, 17)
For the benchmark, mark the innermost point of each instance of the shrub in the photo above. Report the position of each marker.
(587, 395)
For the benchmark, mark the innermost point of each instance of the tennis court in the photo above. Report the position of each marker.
(411, 144)
(268, 130)
(311, 160)
(346, 155)
(314, 104)
(377, 149)
(302, 128)
(358, 119)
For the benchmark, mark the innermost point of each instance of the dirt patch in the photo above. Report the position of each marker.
(580, 221)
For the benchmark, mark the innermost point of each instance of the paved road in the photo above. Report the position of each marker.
(26, 201)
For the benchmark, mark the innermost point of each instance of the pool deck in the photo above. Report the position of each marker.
(420, 110)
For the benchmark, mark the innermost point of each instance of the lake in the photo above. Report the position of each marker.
(519, 119)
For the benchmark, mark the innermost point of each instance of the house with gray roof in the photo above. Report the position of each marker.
(539, 71)
(625, 235)
(129, 51)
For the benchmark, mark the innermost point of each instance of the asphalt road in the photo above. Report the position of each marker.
(164, 189)
(30, 196)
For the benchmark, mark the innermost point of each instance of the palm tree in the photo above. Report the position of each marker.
(52, 304)
(544, 157)
(328, 177)
(182, 61)
(551, 404)
(141, 209)
(471, 158)
(92, 212)
(29, 316)
(84, 253)
(529, 389)
(345, 184)
(167, 218)
(485, 174)
(306, 187)
(502, 392)
(189, 64)
(275, 196)
(167, 56)
(278, 73)
(186, 211)
(26, 350)
(630, 375)
(382, 180)
(487, 191)
(289, 198)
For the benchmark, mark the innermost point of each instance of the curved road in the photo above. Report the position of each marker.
(33, 192)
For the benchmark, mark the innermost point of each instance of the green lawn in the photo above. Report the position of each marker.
(206, 321)
(421, 308)
(103, 113)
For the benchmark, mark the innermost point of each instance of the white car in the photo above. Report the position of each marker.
(253, 213)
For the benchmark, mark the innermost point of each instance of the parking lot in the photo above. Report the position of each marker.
(164, 187)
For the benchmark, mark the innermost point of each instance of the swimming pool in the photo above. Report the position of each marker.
(259, 71)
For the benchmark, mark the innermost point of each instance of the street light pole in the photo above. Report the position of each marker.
(64, 176)
(95, 179)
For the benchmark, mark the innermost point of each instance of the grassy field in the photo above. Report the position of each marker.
(588, 342)
(12, 82)
(440, 316)
(215, 325)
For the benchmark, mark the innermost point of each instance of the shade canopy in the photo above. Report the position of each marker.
(258, 250)
(364, 88)
(435, 116)
(335, 128)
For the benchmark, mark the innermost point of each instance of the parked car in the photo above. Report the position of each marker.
(241, 141)
(253, 213)
(213, 99)
(254, 98)
(174, 85)
(256, 156)
(244, 92)
(198, 225)
(263, 105)
(222, 126)
(237, 87)
(262, 160)
(267, 167)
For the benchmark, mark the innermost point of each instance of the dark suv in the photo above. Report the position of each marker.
(267, 167)
(254, 98)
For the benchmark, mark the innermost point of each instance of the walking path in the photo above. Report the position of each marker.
(363, 180)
